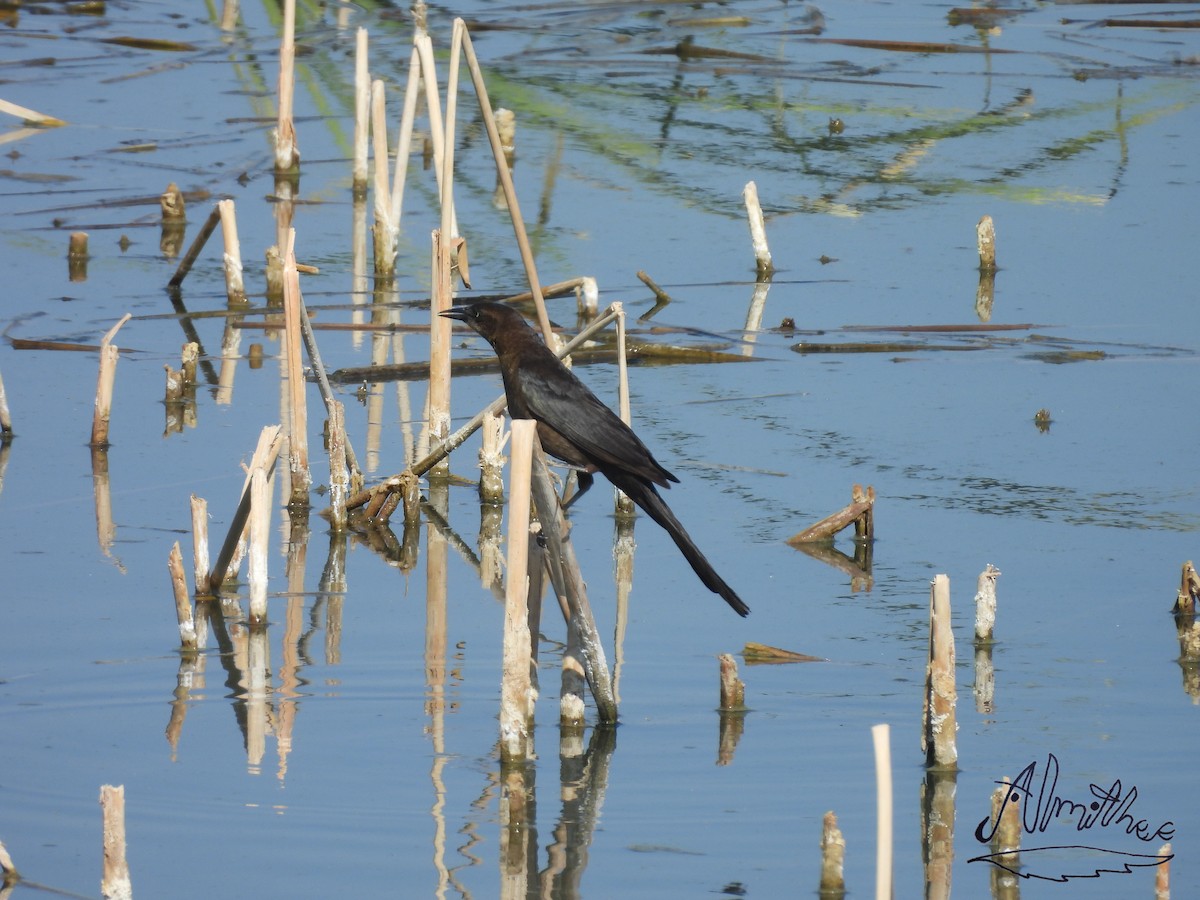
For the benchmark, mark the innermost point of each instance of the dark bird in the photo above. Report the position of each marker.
(576, 427)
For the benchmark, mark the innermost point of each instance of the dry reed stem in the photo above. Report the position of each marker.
(30, 116)
(433, 107)
(880, 736)
(754, 652)
(109, 353)
(510, 194)
(1006, 833)
(172, 205)
(260, 535)
(287, 155)
(297, 407)
(235, 287)
(115, 883)
(938, 736)
(660, 295)
(6, 427)
(758, 232)
(1185, 600)
(314, 358)
(516, 691)
(584, 655)
(438, 424)
(985, 605)
(339, 476)
(193, 251)
(270, 441)
(362, 124)
(386, 229)
(229, 14)
(624, 505)
(77, 256)
(200, 563)
(1162, 877)
(491, 460)
(412, 93)
(733, 689)
(860, 512)
(985, 239)
(183, 605)
(833, 858)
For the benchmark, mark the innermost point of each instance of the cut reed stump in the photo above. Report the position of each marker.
(77, 256)
(115, 883)
(833, 860)
(860, 513)
(985, 294)
(758, 233)
(517, 696)
(732, 709)
(940, 726)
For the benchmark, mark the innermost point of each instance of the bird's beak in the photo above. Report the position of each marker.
(455, 312)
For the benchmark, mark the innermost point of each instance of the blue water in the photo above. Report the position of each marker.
(380, 788)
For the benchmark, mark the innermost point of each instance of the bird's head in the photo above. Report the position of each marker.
(486, 318)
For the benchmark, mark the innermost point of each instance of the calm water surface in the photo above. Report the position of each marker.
(369, 770)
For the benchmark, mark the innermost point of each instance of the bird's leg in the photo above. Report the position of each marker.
(583, 481)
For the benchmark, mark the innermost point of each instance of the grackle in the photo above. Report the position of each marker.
(576, 427)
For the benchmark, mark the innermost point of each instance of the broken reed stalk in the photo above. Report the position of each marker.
(287, 155)
(412, 93)
(1006, 830)
(183, 603)
(339, 475)
(270, 441)
(235, 287)
(516, 689)
(30, 116)
(880, 737)
(260, 535)
(985, 605)
(985, 239)
(1185, 600)
(733, 689)
(433, 108)
(193, 251)
(109, 353)
(833, 859)
(115, 883)
(463, 37)
(200, 544)
(584, 655)
(6, 428)
(385, 229)
(301, 477)
(624, 505)
(1162, 875)
(362, 123)
(172, 205)
(318, 367)
(860, 512)
(758, 232)
(940, 726)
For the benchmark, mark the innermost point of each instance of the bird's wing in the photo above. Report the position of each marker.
(561, 401)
